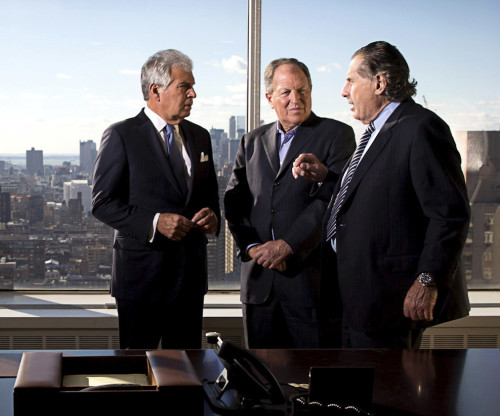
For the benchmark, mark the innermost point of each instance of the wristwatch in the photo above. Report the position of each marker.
(426, 279)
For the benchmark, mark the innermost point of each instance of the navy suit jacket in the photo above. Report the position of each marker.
(406, 211)
(263, 198)
(133, 181)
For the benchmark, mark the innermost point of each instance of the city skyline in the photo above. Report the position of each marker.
(73, 68)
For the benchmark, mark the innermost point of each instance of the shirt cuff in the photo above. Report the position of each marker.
(152, 231)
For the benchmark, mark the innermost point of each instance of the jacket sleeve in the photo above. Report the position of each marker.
(110, 192)
(440, 187)
(238, 205)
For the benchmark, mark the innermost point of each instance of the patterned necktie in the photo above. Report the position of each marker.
(175, 158)
(353, 164)
(289, 135)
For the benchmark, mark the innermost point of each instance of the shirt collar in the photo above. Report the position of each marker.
(157, 121)
(282, 132)
(385, 114)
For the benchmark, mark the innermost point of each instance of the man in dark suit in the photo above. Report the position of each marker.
(399, 221)
(155, 184)
(274, 220)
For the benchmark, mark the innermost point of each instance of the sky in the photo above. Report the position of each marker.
(70, 68)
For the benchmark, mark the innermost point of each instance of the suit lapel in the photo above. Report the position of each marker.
(153, 142)
(304, 134)
(383, 137)
(270, 145)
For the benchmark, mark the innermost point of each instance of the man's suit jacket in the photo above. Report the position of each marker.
(263, 200)
(405, 212)
(133, 181)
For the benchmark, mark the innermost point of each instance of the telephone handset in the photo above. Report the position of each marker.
(244, 383)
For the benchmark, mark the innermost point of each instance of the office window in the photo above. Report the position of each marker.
(72, 68)
(488, 237)
(441, 54)
(69, 70)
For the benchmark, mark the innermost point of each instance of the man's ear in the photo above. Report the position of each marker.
(154, 92)
(381, 84)
(269, 99)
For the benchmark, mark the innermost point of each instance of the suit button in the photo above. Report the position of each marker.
(276, 184)
(273, 211)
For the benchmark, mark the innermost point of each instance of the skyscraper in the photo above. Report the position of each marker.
(34, 162)
(88, 154)
(240, 124)
(75, 187)
(5, 207)
(232, 127)
(481, 151)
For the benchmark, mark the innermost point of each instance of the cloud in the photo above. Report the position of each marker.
(63, 76)
(32, 97)
(130, 72)
(219, 101)
(237, 88)
(494, 104)
(97, 43)
(334, 66)
(235, 64)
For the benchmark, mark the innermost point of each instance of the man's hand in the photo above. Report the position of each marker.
(206, 221)
(174, 226)
(309, 166)
(420, 301)
(272, 254)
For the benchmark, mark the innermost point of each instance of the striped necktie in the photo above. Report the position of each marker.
(353, 164)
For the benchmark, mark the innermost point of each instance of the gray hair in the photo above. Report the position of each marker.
(271, 68)
(158, 69)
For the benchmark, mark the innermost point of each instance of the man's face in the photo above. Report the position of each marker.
(291, 96)
(175, 101)
(362, 93)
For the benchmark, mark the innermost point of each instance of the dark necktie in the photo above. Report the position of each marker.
(175, 158)
(353, 164)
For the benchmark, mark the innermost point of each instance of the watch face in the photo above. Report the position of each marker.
(426, 279)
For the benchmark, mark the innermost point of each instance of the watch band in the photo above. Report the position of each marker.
(426, 279)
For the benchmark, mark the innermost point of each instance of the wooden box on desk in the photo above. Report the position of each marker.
(172, 384)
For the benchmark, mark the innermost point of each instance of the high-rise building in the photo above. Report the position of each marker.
(34, 162)
(232, 127)
(5, 207)
(29, 255)
(215, 137)
(73, 188)
(35, 208)
(75, 209)
(232, 149)
(88, 155)
(240, 124)
(481, 159)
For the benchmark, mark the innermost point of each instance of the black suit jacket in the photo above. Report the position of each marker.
(261, 199)
(133, 181)
(405, 212)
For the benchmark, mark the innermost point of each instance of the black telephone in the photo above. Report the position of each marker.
(244, 384)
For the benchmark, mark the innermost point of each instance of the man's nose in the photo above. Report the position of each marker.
(344, 91)
(191, 93)
(294, 96)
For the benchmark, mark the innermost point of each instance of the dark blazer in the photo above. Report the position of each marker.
(405, 212)
(262, 198)
(133, 181)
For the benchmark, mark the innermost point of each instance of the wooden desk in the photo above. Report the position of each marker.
(425, 382)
